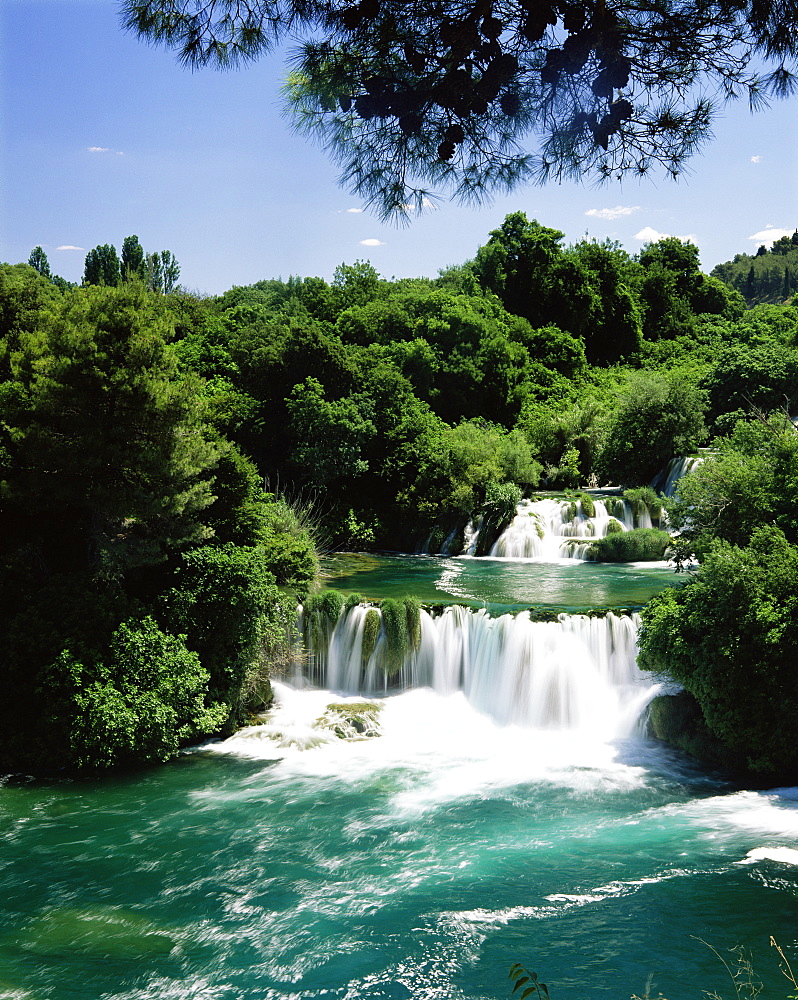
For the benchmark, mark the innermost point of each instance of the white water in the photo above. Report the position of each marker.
(471, 536)
(575, 674)
(544, 530)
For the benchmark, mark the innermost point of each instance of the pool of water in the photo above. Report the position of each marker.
(499, 584)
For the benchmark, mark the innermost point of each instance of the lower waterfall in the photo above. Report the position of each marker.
(576, 673)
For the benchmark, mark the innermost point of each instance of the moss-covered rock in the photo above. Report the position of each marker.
(371, 630)
(394, 625)
(353, 720)
(677, 719)
(642, 500)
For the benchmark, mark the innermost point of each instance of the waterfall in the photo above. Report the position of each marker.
(575, 673)
(471, 536)
(677, 467)
(549, 530)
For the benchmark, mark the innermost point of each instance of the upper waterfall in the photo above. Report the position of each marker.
(678, 467)
(561, 529)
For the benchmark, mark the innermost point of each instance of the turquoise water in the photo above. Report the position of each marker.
(500, 584)
(286, 864)
(408, 866)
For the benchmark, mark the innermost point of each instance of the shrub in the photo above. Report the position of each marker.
(644, 498)
(729, 637)
(143, 703)
(639, 545)
(588, 504)
(501, 500)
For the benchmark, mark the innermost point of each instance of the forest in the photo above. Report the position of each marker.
(172, 464)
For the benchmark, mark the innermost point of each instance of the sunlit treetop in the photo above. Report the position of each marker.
(477, 97)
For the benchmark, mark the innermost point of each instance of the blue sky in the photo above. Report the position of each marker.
(103, 136)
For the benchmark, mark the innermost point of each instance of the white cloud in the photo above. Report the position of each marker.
(98, 149)
(649, 235)
(372, 243)
(608, 214)
(769, 235)
(355, 211)
(756, 159)
(68, 246)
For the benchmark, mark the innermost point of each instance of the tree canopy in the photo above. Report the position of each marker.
(481, 96)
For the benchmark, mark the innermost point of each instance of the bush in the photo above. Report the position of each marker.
(639, 545)
(644, 498)
(143, 703)
(588, 504)
(226, 602)
(501, 500)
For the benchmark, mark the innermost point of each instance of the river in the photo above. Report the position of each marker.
(286, 863)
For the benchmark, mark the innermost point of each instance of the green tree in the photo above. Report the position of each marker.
(140, 705)
(612, 328)
(108, 441)
(517, 264)
(24, 295)
(747, 378)
(102, 266)
(330, 435)
(136, 546)
(38, 261)
(410, 99)
(751, 479)
(670, 280)
(655, 419)
(355, 284)
(132, 264)
(226, 604)
(161, 271)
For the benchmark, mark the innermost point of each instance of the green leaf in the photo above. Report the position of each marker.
(529, 991)
(520, 983)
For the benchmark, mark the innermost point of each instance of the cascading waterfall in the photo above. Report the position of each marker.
(576, 673)
(562, 529)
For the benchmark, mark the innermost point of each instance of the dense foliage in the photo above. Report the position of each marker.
(139, 555)
(138, 427)
(729, 636)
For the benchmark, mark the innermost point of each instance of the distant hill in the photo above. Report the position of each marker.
(767, 276)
